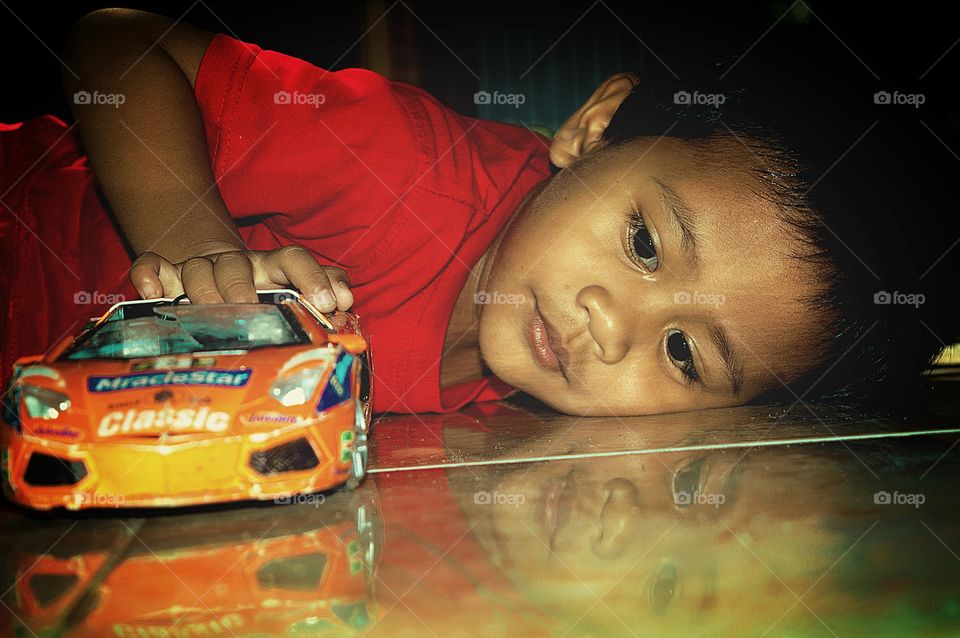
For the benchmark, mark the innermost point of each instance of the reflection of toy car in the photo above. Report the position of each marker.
(160, 403)
(307, 569)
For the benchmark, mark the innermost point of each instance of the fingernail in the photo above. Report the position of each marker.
(325, 298)
(148, 291)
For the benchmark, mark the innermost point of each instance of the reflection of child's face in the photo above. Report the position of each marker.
(630, 326)
(608, 542)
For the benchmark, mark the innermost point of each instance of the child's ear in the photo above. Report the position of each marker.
(582, 132)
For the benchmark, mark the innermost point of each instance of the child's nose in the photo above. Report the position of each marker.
(605, 323)
(618, 322)
(620, 513)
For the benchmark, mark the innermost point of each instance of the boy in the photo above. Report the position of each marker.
(606, 289)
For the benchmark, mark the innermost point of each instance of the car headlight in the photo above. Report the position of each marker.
(297, 389)
(43, 403)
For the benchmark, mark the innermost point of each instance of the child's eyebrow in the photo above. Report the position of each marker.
(684, 218)
(732, 361)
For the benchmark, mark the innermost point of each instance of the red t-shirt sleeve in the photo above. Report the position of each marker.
(374, 176)
(313, 150)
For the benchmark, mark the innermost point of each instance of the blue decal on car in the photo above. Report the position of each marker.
(337, 389)
(219, 378)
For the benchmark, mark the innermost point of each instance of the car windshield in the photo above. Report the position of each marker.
(184, 329)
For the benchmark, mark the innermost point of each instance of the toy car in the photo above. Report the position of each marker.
(162, 403)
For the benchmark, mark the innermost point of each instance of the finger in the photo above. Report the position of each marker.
(340, 284)
(296, 265)
(154, 276)
(199, 282)
(234, 278)
(145, 275)
(170, 278)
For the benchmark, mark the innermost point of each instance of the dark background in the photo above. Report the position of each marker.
(555, 54)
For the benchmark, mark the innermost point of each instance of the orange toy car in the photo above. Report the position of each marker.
(162, 403)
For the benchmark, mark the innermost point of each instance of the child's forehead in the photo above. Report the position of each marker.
(715, 178)
(729, 163)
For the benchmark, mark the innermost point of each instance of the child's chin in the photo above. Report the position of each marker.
(510, 367)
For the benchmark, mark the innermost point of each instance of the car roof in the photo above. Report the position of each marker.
(275, 297)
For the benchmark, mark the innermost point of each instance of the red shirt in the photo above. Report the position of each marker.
(373, 176)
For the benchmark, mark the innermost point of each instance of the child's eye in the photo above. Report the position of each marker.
(687, 482)
(663, 587)
(679, 351)
(641, 243)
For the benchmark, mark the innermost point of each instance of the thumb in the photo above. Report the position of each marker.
(154, 276)
(145, 275)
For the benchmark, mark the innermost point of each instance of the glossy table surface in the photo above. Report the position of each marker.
(503, 520)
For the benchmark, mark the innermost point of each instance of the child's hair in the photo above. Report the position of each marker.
(864, 183)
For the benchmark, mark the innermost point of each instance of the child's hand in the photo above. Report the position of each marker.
(233, 276)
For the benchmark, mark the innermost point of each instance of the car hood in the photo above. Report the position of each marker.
(182, 395)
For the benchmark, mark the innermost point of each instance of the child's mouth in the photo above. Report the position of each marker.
(554, 508)
(542, 351)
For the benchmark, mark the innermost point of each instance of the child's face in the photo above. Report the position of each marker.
(629, 328)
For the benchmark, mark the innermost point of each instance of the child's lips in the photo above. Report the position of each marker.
(554, 509)
(540, 341)
(547, 344)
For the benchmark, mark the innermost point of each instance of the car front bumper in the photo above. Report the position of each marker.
(193, 470)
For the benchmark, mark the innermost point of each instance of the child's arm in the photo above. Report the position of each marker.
(144, 136)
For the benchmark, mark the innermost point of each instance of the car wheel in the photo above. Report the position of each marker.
(363, 393)
(368, 533)
(358, 458)
(358, 461)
